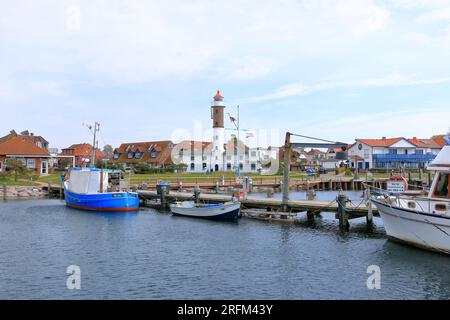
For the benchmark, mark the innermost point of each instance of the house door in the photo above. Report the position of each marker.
(216, 167)
(44, 167)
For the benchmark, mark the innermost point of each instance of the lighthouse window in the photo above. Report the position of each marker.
(442, 186)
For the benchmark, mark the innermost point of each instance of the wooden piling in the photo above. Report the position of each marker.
(5, 191)
(342, 214)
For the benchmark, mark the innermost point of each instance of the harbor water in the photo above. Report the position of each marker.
(154, 255)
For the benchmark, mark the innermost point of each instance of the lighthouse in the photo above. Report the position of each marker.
(217, 116)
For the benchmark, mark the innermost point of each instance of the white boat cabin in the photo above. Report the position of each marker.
(87, 180)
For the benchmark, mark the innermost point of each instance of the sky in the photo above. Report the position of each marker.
(147, 70)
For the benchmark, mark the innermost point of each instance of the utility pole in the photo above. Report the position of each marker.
(287, 169)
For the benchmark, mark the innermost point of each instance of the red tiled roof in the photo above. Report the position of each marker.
(162, 147)
(440, 140)
(424, 143)
(380, 142)
(84, 150)
(191, 144)
(314, 152)
(21, 145)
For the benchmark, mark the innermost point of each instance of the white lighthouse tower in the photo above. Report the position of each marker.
(217, 115)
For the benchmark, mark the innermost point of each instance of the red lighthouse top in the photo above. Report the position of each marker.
(218, 96)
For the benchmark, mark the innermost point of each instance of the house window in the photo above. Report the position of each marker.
(31, 164)
(23, 162)
(204, 166)
(130, 155)
(253, 154)
(192, 166)
(228, 157)
(192, 158)
(253, 166)
(154, 154)
(138, 155)
(228, 166)
(116, 156)
(241, 166)
(419, 151)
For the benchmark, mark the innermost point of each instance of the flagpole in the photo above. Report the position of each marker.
(238, 152)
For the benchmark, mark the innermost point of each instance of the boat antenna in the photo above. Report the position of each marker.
(94, 129)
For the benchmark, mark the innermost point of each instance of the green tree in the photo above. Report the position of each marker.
(17, 167)
(64, 163)
(108, 151)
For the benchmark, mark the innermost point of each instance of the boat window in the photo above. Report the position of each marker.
(441, 207)
(411, 205)
(442, 186)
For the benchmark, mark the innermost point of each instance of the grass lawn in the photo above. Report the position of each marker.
(51, 178)
(21, 181)
(54, 179)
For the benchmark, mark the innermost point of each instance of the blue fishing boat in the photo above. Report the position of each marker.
(94, 189)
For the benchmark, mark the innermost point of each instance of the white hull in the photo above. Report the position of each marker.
(220, 212)
(428, 231)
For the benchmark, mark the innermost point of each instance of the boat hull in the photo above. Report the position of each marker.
(105, 202)
(423, 230)
(225, 212)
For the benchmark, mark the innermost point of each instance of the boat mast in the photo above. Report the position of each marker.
(95, 144)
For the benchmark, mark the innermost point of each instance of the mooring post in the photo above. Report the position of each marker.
(196, 194)
(342, 214)
(61, 190)
(369, 217)
(5, 190)
(287, 169)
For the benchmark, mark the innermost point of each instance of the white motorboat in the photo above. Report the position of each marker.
(224, 211)
(422, 221)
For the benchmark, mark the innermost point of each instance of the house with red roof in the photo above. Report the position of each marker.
(31, 150)
(396, 152)
(153, 153)
(82, 153)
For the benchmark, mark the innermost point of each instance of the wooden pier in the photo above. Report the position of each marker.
(269, 208)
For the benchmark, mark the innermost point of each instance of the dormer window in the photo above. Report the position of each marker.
(128, 149)
(130, 155)
(138, 155)
(154, 154)
(116, 156)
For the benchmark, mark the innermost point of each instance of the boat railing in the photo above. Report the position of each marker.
(416, 203)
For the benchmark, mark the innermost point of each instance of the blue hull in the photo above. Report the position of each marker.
(111, 202)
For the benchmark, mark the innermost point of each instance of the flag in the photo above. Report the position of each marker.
(232, 119)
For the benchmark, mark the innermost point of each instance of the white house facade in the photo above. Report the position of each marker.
(390, 153)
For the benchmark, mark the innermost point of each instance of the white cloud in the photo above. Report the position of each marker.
(421, 123)
(300, 89)
(136, 41)
(252, 67)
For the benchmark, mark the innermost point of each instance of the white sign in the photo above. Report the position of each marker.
(395, 186)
